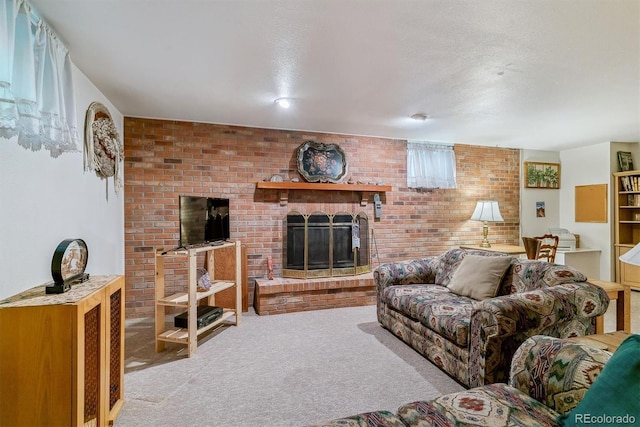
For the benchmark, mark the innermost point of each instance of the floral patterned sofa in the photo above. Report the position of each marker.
(473, 338)
(552, 383)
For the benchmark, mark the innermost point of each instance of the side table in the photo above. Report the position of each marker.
(622, 295)
(505, 249)
(609, 341)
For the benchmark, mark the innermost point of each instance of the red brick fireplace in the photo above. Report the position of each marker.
(165, 159)
(327, 265)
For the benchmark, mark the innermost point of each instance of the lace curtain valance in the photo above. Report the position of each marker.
(36, 89)
(430, 165)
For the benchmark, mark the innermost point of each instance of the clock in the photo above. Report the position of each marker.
(68, 265)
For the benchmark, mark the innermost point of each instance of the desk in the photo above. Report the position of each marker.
(504, 249)
(621, 294)
(584, 260)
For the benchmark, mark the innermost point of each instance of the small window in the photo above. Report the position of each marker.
(430, 165)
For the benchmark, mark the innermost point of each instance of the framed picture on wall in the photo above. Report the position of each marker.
(542, 175)
(625, 161)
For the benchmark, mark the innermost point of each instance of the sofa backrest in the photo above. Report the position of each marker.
(528, 275)
(523, 274)
(451, 259)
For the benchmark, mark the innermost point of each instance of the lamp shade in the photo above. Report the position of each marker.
(487, 210)
(633, 256)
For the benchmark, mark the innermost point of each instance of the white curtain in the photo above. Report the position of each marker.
(430, 165)
(36, 88)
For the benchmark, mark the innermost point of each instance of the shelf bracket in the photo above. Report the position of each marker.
(284, 197)
(364, 198)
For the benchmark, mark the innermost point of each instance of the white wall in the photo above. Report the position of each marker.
(593, 164)
(45, 200)
(632, 147)
(585, 166)
(530, 224)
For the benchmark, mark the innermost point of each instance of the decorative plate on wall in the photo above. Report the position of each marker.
(103, 149)
(318, 162)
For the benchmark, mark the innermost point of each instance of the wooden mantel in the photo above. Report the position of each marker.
(284, 187)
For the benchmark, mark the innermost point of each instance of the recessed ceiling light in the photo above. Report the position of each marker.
(420, 117)
(283, 102)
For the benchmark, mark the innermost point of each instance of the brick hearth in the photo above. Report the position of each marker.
(282, 295)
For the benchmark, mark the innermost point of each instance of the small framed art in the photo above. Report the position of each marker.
(625, 161)
(542, 175)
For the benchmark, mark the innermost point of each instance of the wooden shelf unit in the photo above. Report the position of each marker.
(229, 253)
(62, 355)
(627, 225)
(284, 187)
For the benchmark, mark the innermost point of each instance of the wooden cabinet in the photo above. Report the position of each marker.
(62, 355)
(224, 265)
(627, 225)
(582, 259)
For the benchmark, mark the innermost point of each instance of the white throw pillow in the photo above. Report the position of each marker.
(479, 277)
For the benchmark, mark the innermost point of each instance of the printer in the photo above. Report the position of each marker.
(567, 241)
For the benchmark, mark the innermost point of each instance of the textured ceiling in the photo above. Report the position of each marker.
(543, 74)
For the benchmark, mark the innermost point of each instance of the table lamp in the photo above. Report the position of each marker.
(486, 211)
(633, 256)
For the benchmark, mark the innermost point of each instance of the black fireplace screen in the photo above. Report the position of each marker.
(324, 245)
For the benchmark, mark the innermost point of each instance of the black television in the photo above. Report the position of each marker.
(203, 220)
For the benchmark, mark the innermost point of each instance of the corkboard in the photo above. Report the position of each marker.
(591, 203)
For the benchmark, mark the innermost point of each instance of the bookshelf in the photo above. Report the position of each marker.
(627, 225)
(230, 255)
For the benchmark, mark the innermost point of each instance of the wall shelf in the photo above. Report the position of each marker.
(284, 187)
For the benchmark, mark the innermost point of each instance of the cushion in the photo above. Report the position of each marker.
(479, 277)
(405, 299)
(449, 318)
(367, 419)
(614, 394)
(491, 405)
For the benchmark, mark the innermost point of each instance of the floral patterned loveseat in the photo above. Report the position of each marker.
(474, 340)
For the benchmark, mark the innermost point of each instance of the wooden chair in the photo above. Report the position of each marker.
(548, 247)
(532, 247)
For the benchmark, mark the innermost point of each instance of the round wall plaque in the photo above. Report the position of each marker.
(68, 264)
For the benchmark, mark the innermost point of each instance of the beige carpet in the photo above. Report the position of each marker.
(285, 370)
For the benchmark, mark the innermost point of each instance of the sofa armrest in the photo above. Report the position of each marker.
(499, 325)
(422, 270)
(556, 372)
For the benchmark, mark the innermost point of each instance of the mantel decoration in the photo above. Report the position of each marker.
(318, 162)
(103, 149)
(542, 175)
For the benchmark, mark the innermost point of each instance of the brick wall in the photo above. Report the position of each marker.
(164, 159)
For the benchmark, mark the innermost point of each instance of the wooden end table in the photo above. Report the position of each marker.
(505, 249)
(622, 295)
(609, 341)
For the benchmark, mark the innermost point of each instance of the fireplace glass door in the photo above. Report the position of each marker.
(324, 245)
